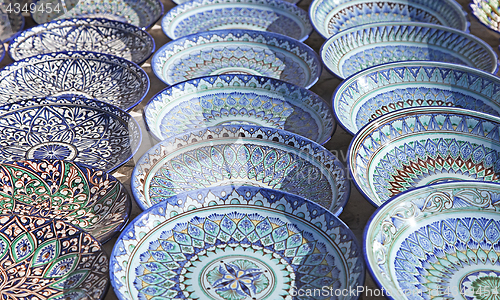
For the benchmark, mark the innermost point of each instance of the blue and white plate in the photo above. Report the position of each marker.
(487, 12)
(11, 21)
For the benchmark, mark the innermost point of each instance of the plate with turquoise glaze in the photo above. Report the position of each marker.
(262, 15)
(240, 155)
(251, 244)
(437, 242)
(419, 146)
(247, 52)
(389, 87)
(11, 23)
(487, 12)
(239, 99)
(356, 49)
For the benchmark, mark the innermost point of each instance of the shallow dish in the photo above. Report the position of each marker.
(419, 146)
(240, 155)
(437, 240)
(94, 35)
(247, 52)
(359, 48)
(487, 12)
(331, 17)
(243, 249)
(93, 75)
(53, 260)
(239, 99)
(263, 15)
(382, 89)
(10, 23)
(77, 129)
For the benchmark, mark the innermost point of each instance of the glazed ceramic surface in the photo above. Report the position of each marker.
(247, 52)
(95, 35)
(68, 128)
(359, 48)
(239, 99)
(2, 51)
(88, 198)
(141, 13)
(94, 75)
(240, 155)
(383, 89)
(437, 242)
(419, 146)
(254, 244)
(48, 259)
(331, 17)
(11, 23)
(487, 12)
(263, 15)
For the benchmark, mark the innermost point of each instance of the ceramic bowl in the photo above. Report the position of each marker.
(331, 17)
(93, 75)
(263, 15)
(258, 245)
(141, 13)
(2, 51)
(359, 48)
(487, 12)
(383, 89)
(437, 242)
(419, 146)
(53, 260)
(94, 35)
(247, 52)
(11, 23)
(88, 198)
(77, 129)
(239, 99)
(240, 155)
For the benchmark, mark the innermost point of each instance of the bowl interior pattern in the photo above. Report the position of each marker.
(487, 12)
(239, 99)
(10, 23)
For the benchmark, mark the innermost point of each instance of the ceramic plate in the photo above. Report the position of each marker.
(48, 259)
(359, 48)
(240, 155)
(97, 35)
(263, 15)
(243, 250)
(11, 23)
(2, 51)
(487, 12)
(331, 17)
(419, 146)
(94, 75)
(247, 52)
(68, 128)
(437, 242)
(383, 89)
(239, 99)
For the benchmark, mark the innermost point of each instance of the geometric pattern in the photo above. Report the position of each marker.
(487, 13)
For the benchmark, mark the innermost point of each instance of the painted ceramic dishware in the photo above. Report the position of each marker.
(2, 51)
(331, 17)
(419, 146)
(487, 12)
(77, 129)
(88, 198)
(240, 155)
(438, 240)
(263, 245)
(383, 89)
(359, 48)
(247, 52)
(94, 35)
(50, 259)
(262, 15)
(11, 21)
(93, 75)
(239, 99)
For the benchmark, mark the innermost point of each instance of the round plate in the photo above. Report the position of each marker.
(94, 75)
(419, 146)
(88, 198)
(97, 35)
(359, 48)
(487, 12)
(241, 249)
(247, 52)
(50, 259)
(76, 129)
(437, 240)
(364, 96)
(239, 99)
(240, 155)
(331, 17)
(263, 15)
(11, 23)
